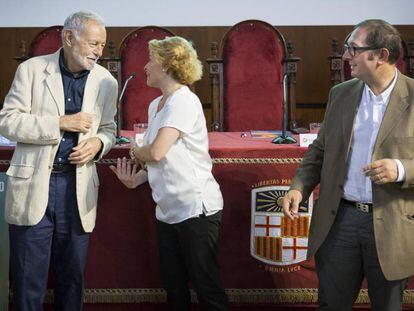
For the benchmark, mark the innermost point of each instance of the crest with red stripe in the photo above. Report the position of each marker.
(275, 239)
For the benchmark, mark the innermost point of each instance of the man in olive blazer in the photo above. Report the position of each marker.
(62, 100)
(363, 158)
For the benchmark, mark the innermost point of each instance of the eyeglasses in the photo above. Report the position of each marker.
(352, 50)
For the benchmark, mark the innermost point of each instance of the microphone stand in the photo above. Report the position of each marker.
(284, 139)
(119, 139)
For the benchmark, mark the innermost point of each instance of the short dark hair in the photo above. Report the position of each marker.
(381, 34)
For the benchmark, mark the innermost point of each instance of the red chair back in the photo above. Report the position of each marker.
(253, 53)
(46, 42)
(402, 62)
(134, 56)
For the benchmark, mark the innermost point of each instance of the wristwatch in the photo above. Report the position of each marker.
(133, 146)
(132, 154)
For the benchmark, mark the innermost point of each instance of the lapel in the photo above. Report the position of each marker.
(396, 107)
(90, 97)
(54, 82)
(350, 106)
(91, 92)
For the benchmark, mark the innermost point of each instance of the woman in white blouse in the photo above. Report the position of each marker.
(178, 168)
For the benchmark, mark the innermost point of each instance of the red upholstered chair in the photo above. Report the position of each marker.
(247, 89)
(341, 71)
(46, 42)
(402, 63)
(134, 56)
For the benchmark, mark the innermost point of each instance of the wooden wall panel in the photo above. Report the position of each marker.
(312, 44)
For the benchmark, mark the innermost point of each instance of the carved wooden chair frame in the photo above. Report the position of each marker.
(216, 76)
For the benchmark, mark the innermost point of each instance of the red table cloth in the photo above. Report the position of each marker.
(123, 269)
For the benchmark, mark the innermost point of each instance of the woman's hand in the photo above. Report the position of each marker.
(128, 174)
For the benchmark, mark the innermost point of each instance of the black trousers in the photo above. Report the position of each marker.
(347, 256)
(59, 239)
(188, 252)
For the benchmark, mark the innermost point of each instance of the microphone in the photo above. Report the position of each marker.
(119, 139)
(132, 76)
(284, 139)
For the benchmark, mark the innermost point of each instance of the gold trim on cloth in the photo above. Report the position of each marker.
(217, 161)
(236, 295)
(257, 160)
(235, 161)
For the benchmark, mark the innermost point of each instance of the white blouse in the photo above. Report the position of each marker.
(182, 183)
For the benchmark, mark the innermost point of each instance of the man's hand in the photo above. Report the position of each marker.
(382, 171)
(85, 151)
(78, 122)
(126, 172)
(290, 204)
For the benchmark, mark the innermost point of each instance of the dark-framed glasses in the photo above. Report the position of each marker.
(353, 50)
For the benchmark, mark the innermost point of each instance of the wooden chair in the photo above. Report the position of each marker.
(47, 41)
(134, 56)
(246, 79)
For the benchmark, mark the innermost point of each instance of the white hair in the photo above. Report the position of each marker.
(76, 22)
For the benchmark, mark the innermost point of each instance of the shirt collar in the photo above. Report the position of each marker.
(384, 97)
(65, 70)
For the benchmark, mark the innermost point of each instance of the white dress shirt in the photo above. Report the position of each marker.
(182, 183)
(358, 187)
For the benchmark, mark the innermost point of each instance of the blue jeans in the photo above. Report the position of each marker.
(59, 239)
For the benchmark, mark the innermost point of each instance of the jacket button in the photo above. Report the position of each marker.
(333, 212)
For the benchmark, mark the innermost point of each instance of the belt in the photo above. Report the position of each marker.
(363, 207)
(63, 168)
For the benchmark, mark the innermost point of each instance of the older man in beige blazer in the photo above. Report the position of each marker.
(363, 158)
(60, 110)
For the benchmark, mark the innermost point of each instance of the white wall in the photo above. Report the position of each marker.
(41, 13)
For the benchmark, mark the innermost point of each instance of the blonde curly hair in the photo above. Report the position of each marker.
(179, 57)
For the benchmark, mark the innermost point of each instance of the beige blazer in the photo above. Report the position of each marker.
(30, 116)
(393, 203)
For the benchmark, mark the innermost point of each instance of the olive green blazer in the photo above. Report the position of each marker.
(326, 163)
